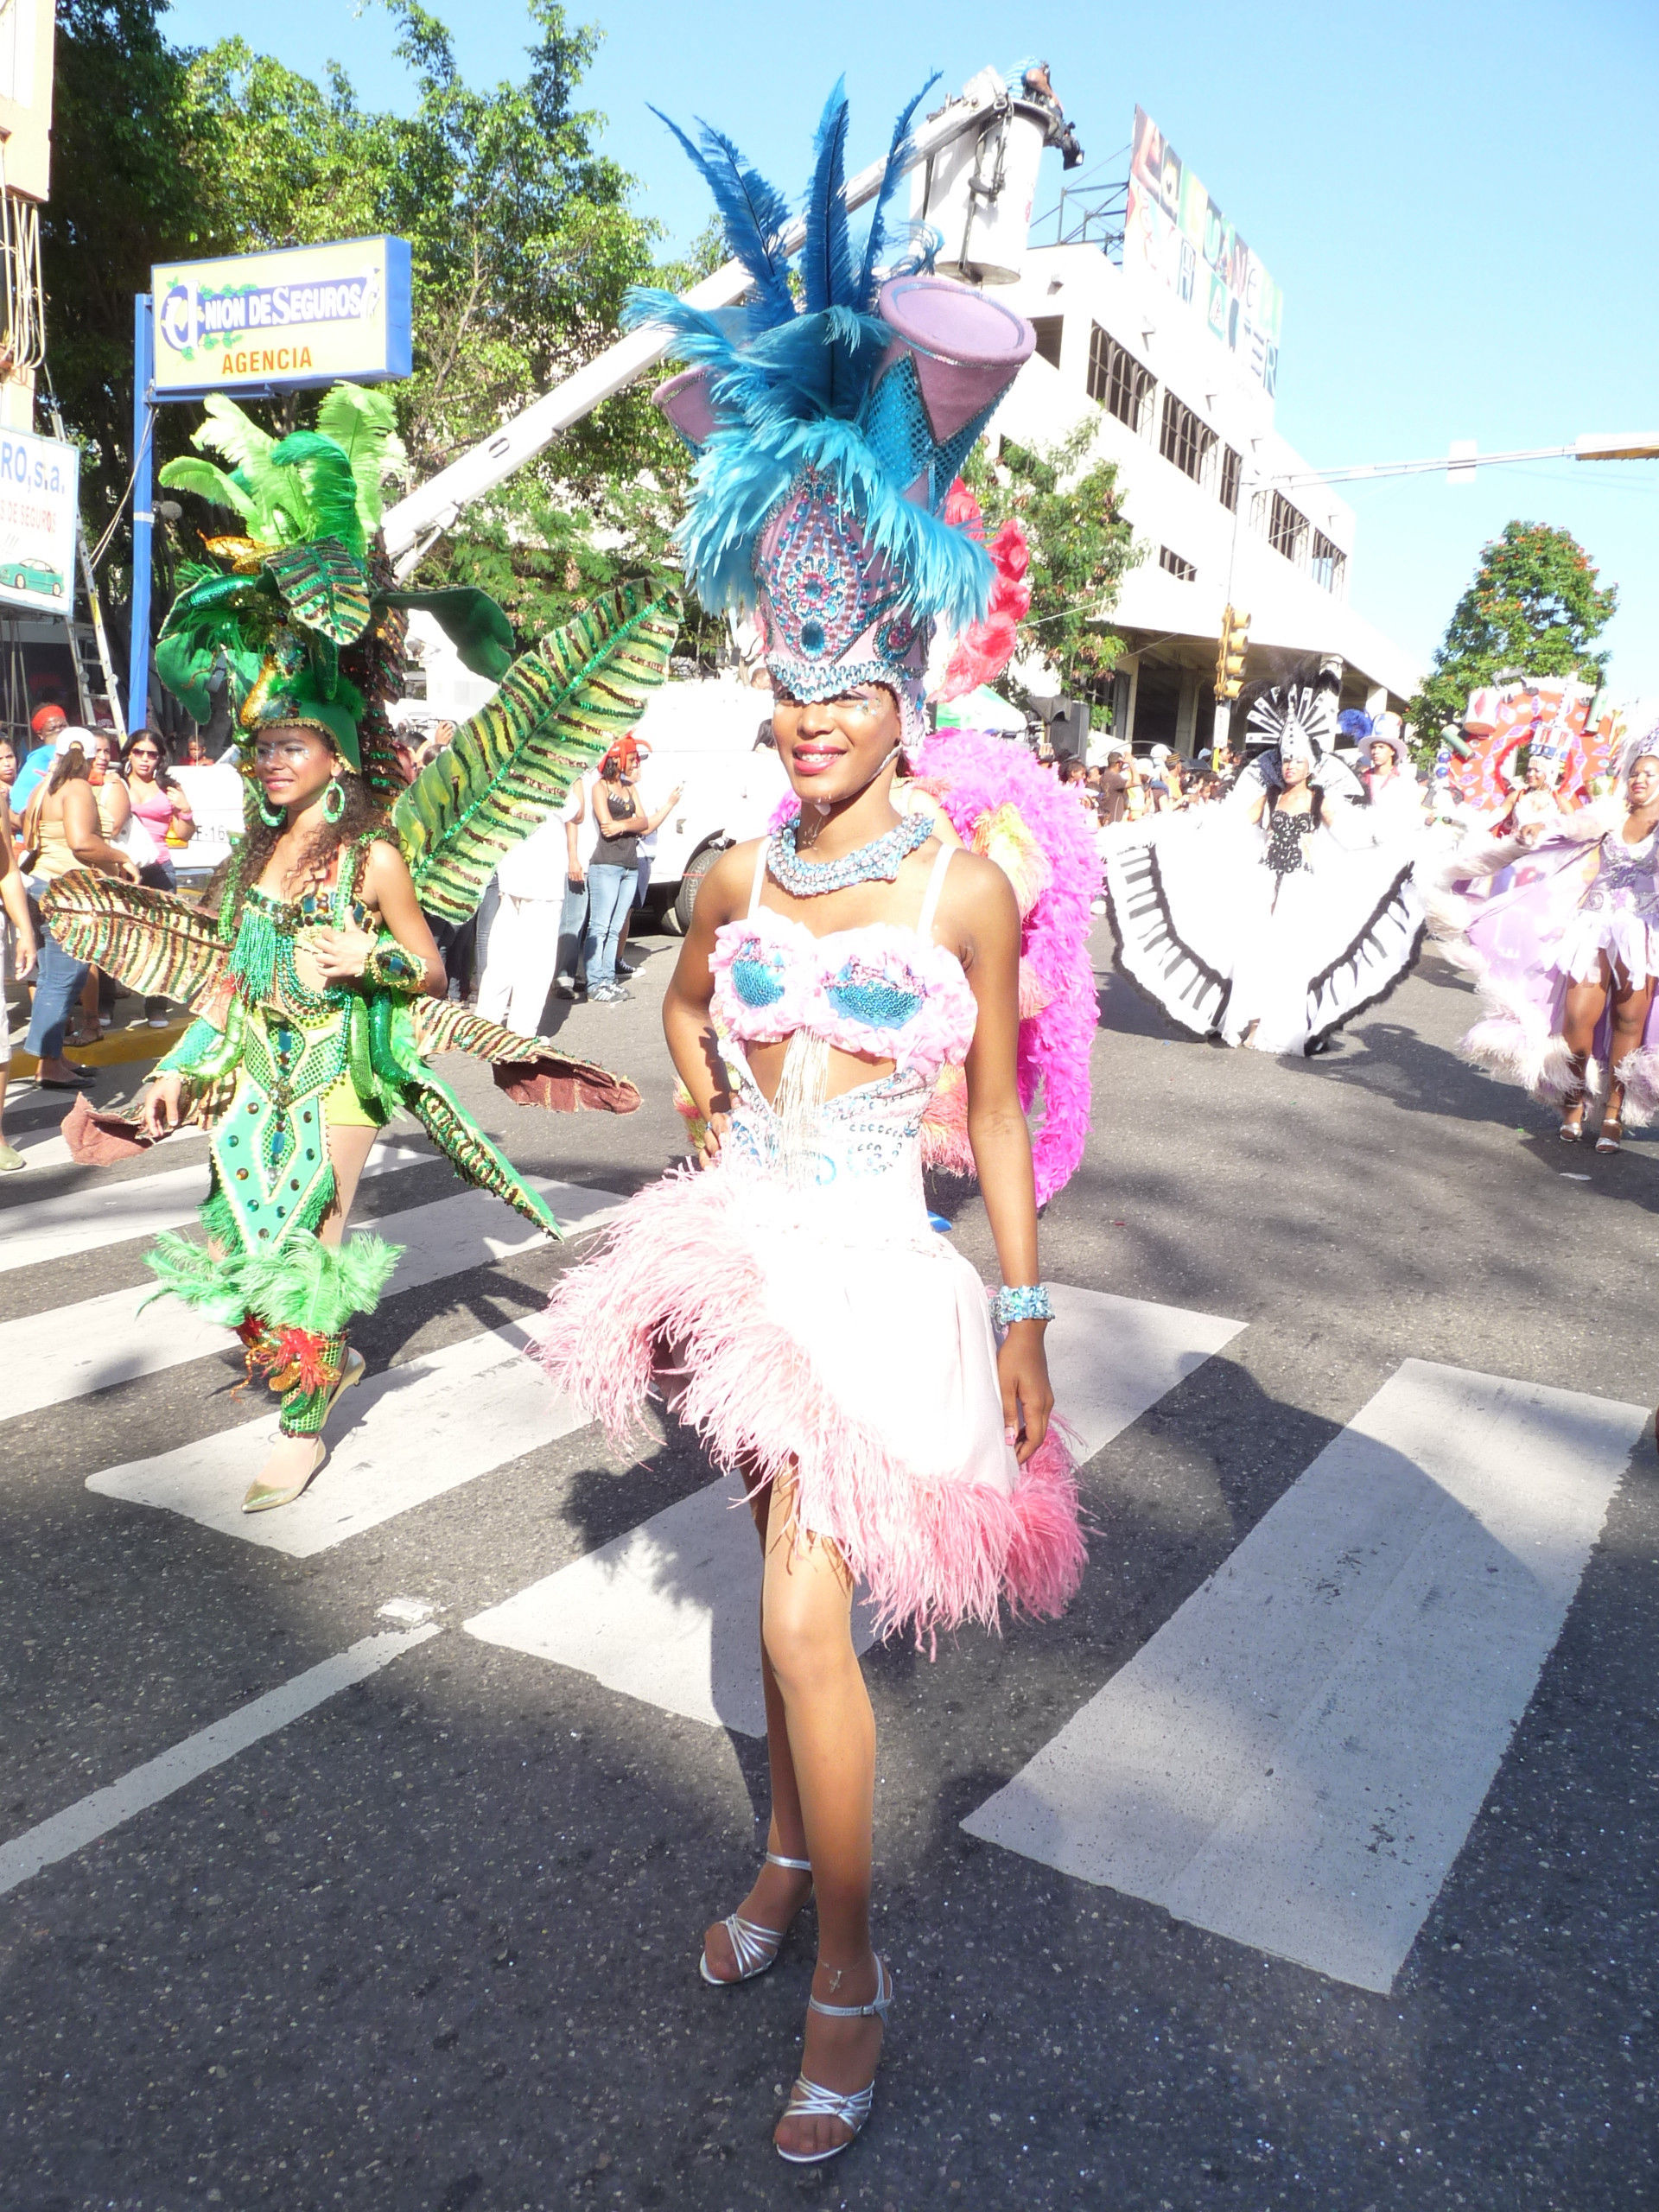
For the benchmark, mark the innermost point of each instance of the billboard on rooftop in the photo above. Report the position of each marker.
(1178, 236)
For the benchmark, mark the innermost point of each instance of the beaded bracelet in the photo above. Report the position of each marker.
(392, 967)
(1028, 1302)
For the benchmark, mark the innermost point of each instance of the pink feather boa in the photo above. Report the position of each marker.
(680, 1269)
(973, 773)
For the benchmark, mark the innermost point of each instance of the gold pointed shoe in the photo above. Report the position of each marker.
(260, 1499)
(352, 1369)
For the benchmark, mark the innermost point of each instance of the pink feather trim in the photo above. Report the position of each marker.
(977, 775)
(678, 1268)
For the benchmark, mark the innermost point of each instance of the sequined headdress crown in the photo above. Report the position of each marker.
(829, 433)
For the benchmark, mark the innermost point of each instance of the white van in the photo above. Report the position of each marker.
(702, 737)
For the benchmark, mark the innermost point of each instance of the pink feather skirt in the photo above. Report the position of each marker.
(841, 1345)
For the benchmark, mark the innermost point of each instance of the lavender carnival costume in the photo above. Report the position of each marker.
(1524, 922)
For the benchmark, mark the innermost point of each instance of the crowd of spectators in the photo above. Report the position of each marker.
(76, 798)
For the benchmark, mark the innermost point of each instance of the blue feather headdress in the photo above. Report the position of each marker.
(830, 415)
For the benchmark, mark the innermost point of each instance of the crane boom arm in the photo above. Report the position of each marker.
(412, 525)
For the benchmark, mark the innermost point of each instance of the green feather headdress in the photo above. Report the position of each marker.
(303, 582)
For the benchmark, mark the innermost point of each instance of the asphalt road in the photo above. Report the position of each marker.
(433, 1942)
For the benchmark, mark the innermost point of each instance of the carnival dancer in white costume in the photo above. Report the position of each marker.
(1274, 917)
(1558, 925)
(1396, 795)
(791, 1301)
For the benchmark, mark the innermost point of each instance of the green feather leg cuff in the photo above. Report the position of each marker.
(304, 1284)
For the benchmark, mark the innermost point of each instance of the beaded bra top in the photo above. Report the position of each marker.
(885, 991)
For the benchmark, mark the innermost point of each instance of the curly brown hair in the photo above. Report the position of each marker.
(362, 815)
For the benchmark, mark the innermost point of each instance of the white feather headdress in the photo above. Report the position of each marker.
(1299, 718)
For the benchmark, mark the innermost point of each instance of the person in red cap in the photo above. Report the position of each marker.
(44, 725)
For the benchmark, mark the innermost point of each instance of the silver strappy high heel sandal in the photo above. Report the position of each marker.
(811, 2101)
(753, 1946)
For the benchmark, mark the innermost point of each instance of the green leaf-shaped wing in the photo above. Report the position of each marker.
(509, 768)
(215, 618)
(325, 587)
(153, 941)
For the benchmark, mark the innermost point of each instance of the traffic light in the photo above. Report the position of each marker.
(1229, 659)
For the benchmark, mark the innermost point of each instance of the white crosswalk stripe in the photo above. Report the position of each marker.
(400, 1438)
(174, 1769)
(1295, 1759)
(94, 1215)
(666, 1613)
(53, 1152)
(70, 1350)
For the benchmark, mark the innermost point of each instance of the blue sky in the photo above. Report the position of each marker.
(1455, 199)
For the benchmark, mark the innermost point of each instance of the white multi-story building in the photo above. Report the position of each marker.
(1189, 424)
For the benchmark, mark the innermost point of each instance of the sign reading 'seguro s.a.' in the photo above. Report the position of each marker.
(40, 482)
(306, 315)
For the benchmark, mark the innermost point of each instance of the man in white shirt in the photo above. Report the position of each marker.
(524, 940)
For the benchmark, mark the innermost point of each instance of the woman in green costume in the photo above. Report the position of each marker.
(325, 930)
(309, 965)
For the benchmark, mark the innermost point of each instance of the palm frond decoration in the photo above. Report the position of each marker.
(154, 943)
(324, 587)
(509, 767)
(470, 1152)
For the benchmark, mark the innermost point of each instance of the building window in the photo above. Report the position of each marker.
(1117, 381)
(1049, 330)
(1185, 440)
(1183, 570)
(1287, 529)
(1232, 469)
(1328, 566)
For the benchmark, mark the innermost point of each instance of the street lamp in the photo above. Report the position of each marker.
(1462, 460)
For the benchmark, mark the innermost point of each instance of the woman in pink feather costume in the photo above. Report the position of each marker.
(797, 1309)
(789, 1298)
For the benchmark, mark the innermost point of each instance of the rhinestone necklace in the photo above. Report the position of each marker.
(881, 859)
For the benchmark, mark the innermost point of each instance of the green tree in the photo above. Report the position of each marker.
(522, 241)
(1082, 547)
(522, 234)
(133, 161)
(1533, 607)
